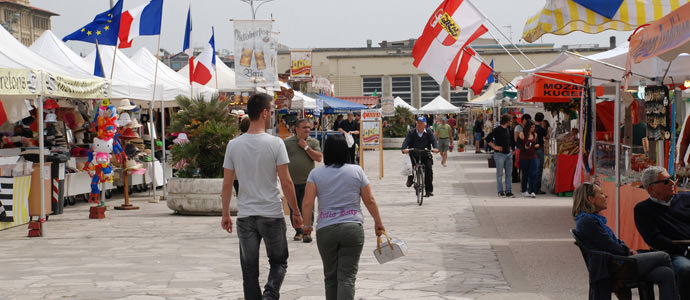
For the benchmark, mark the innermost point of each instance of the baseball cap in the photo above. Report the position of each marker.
(421, 119)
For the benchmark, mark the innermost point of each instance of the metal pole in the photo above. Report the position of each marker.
(41, 156)
(152, 132)
(616, 147)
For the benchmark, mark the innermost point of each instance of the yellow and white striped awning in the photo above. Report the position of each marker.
(561, 17)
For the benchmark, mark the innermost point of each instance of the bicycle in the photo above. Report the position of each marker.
(418, 173)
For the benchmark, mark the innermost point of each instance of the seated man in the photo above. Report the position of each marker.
(663, 219)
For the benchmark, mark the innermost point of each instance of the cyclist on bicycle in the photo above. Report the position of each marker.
(420, 138)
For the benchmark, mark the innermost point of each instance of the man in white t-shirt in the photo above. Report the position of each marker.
(259, 159)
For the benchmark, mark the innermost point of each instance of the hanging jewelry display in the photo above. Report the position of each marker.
(657, 105)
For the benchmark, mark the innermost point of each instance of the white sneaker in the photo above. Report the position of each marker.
(533, 195)
(526, 194)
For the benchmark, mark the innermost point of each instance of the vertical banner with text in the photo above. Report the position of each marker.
(300, 67)
(370, 135)
(255, 54)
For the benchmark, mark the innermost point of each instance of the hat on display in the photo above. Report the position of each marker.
(131, 150)
(125, 104)
(181, 139)
(50, 104)
(128, 133)
(123, 120)
(51, 118)
(133, 124)
(421, 119)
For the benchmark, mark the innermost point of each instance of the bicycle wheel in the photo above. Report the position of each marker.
(419, 177)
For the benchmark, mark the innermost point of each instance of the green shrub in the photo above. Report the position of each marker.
(399, 123)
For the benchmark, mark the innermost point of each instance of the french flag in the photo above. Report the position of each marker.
(142, 20)
(187, 44)
(206, 65)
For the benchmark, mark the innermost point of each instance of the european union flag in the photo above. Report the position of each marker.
(98, 65)
(104, 28)
(491, 78)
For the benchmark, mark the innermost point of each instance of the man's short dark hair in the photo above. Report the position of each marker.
(539, 117)
(526, 117)
(505, 119)
(299, 122)
(335, 151)
(256, 104)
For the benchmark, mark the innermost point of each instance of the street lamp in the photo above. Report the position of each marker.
(255, 9)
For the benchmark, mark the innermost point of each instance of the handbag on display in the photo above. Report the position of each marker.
(389, 250)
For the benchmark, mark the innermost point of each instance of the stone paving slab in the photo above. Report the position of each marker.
(151, 253)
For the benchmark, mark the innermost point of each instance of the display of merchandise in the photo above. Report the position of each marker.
(657, 107)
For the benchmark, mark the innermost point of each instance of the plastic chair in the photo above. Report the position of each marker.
(623, 276)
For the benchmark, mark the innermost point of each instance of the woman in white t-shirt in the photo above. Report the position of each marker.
(339, 235)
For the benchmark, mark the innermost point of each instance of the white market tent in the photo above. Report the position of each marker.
(438, 106)
(226, 77)
(127, 70)
(400, 102)
(302, 101)
(54, 49)
(147, 61)
(603, 73)
(489, 96)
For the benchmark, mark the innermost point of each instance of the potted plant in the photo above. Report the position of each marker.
(394, 134)
(461, 147)
(196, 187)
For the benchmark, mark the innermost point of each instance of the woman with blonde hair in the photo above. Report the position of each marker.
(591, 228)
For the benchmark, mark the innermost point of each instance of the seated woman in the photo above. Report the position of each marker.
(591, 228)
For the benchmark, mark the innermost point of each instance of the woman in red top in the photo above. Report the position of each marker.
(528, 159)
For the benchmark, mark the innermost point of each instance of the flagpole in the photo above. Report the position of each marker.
(155, 78)
(112, 69)
(503, 34)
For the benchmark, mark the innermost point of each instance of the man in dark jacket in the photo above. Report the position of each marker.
(501, 140)
(663, 220)
(420, 139)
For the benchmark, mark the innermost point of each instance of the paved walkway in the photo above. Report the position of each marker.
(457, 248)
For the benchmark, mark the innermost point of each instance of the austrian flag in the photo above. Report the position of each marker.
(453, 26)
(471, 73)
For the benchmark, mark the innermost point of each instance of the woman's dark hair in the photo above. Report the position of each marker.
(528, 127)
(335, 151)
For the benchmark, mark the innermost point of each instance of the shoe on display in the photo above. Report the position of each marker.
(298, 237)
(509, 195)
(533, 195)
(526, 194)
(306, 238)
(501, 194)
(409, 182)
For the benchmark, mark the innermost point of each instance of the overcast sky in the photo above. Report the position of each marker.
(307, 23)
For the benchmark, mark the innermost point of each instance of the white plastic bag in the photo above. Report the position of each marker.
(406, 169)
(350, 140)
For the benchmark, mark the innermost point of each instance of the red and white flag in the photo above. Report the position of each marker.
(144, 19)
(472, 72)
(454, 25)
(206, 65)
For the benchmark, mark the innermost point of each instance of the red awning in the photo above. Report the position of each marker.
(538, 89)
(364, 100)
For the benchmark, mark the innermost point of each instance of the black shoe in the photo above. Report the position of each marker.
(501, 194)
(540, 193)
(298, 237)
(429, 194)
(306, 238)
(409, 182)
(510, 195)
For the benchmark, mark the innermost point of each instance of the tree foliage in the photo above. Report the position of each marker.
(209, 127)
(399, 123)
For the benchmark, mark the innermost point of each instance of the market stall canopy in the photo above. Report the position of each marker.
(226, 77)
(127, 70)
(488, 97)
(438, 106)
(147, 61)
(336, 105)
(26, 73)
(397, 102)
(302, 101)
(52, 48)
(606, 75)
(665, 38)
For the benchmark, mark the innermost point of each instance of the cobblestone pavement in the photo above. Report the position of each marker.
(151, 253)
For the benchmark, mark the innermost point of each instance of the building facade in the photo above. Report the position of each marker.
(25, 22)
(388, 69)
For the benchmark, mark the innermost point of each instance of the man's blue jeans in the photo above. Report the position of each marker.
(250, 231)
(681, 266)
(504, 163)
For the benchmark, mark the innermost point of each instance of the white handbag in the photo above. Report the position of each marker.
(390, 249)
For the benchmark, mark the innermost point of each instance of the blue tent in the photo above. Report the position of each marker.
(336, 105)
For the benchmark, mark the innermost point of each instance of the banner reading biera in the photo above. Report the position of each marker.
(255, 54)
